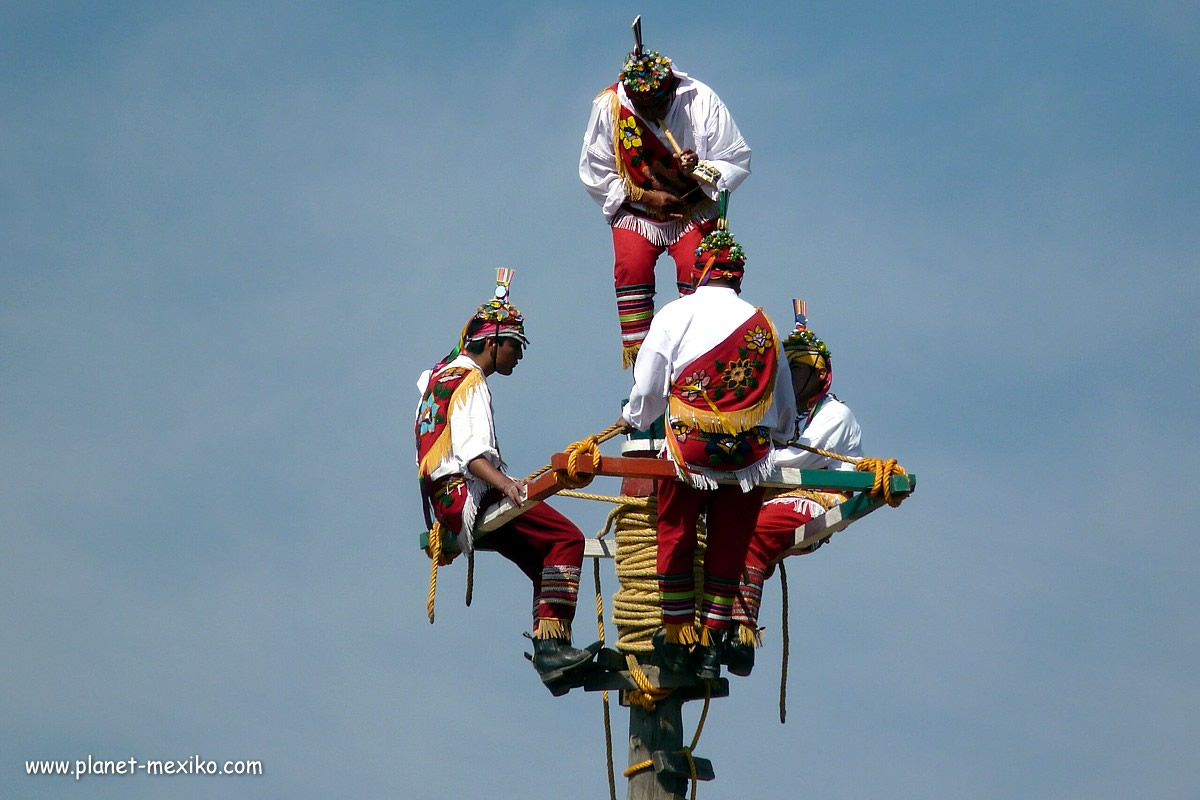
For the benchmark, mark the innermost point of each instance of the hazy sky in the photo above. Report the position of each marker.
(232, 234)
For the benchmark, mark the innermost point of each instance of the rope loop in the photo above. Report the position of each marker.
(589, 448)
(884, 472)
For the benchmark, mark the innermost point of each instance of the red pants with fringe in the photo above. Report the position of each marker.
(633, 277)
(548, 548)
(730, 518)
(773, 533)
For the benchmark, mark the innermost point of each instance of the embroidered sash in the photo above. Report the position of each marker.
(718, 400)
(433, 415)
(449, 496)
(645, 162)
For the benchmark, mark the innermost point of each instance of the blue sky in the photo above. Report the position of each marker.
(232, 234)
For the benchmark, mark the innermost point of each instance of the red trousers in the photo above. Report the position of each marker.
(730, 516)
(548, 548)
(633, 277)
(774, 532)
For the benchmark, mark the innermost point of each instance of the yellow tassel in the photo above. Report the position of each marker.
(629, 354)
(439, 451)
(681, 633)
(551, 628)
(826, 500)
(750, 637)
(714, 421)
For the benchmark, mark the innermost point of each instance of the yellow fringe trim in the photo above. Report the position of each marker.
(622, 171)
(751, 637)
(551, 628)
(441, 448)
(826, 500)
(714, 420)
(681, 633)
(706, 636)
(629, 354)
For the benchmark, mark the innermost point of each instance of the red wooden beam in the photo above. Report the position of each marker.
(618, 466)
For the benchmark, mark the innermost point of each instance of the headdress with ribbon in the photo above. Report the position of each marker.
(718, 255)
(496, 318)
(802, 346)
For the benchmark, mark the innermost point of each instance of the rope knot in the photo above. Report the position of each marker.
(589, 448)
(884, 472)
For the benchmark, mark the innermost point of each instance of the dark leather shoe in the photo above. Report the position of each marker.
(556, 660)
(739, 658)
(671, 657)
(708, 667)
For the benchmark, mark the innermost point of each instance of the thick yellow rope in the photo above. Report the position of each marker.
(432, 589)
(434, 550)
(884, 470)
(589, 446)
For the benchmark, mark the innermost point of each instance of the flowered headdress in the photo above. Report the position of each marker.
(645, 71)
(718, 255)
(802, 346)
(496, 318)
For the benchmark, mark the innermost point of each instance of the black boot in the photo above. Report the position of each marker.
(671, 657)
(708, 666)
(559, 664)
(739, 658)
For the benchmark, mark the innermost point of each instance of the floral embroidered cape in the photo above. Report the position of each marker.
(729, 388)
(433, 415)
(715, 406)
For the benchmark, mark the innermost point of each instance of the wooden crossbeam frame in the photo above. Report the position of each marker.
(832, 521)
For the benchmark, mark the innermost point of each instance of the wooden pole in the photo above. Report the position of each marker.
(650, 731)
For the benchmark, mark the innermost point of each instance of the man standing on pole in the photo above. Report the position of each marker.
(659, 148)
(712, 362)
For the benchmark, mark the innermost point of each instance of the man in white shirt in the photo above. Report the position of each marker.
(711, 361)
(822, 422)
(659, 147)
(461, 471)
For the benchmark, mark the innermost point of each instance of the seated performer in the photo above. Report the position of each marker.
(658, 149)
(823, 422)
(461, 471)
(711, 361)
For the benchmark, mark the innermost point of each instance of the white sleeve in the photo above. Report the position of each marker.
(834, 429)
(721, 143)
(597, 162)
(784, 401)
(472, 433)
(651, 376)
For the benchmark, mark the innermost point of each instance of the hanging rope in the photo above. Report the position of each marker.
(608, 747)
(433, 549)
(783, 670)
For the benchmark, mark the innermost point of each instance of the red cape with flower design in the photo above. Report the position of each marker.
(642, 160)
(718, 400)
